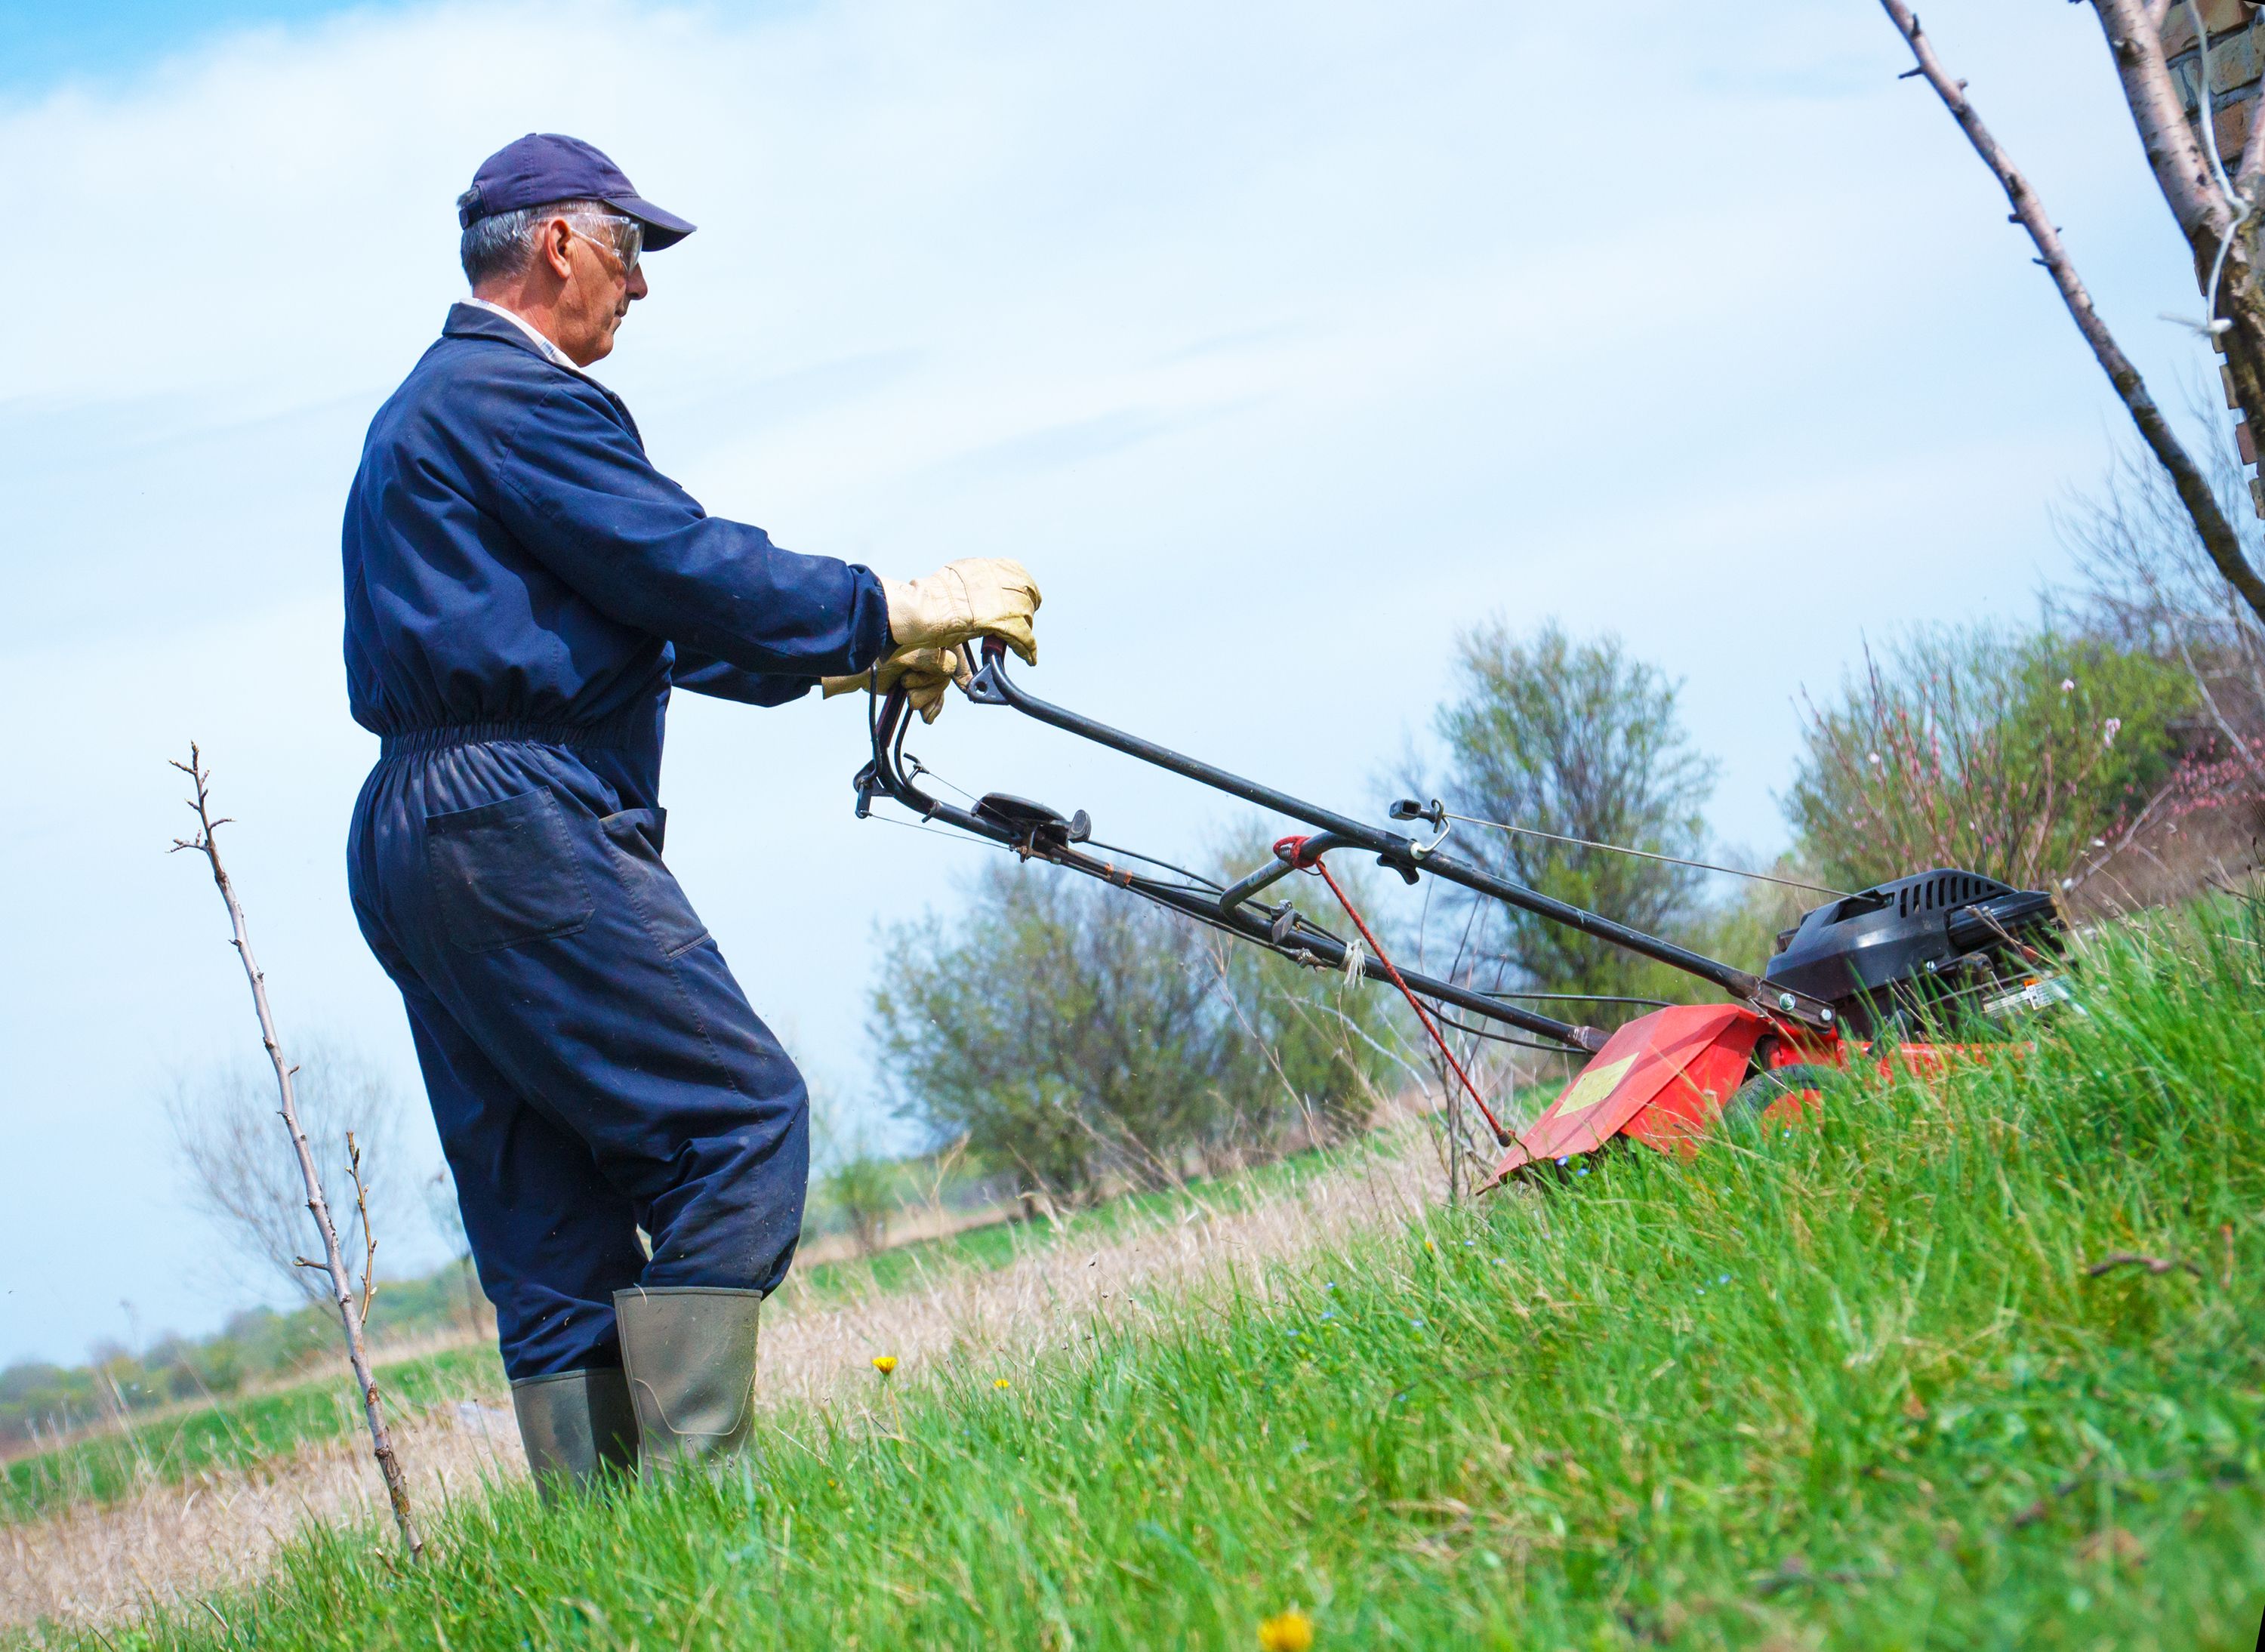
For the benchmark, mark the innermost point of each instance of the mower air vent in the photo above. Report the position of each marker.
(1942, 891)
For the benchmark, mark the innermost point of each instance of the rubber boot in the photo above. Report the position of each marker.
(575, 1423)
(689, 1352)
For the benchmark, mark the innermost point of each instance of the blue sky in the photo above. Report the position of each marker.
(42, 44)
(1282, 341)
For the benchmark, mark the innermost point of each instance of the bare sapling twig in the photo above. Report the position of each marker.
(2205, 212)
(368, 1234)
(350, 1310)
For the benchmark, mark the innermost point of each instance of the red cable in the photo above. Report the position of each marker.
(1296, 846)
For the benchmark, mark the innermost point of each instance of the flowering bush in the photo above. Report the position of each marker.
(2013, 756)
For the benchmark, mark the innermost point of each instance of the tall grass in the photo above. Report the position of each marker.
(1852, 1383)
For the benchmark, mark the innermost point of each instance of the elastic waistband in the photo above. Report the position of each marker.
(619, 734)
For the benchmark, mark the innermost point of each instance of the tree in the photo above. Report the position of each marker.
(2015, 756)
(446, 1212)
(2148, 586)
(1075, 1035)
(2217, 208)
(1323, 1038)
(1574, 740)
(852, 1175)
(251, 1193)
(352, 1314)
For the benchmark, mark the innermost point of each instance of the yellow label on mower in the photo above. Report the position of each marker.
(1593, 1086)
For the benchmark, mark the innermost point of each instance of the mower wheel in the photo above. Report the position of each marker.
(1759, 1093)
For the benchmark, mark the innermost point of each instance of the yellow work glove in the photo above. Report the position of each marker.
(981, 596)
(925, 674)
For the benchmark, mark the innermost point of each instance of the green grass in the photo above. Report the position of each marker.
(1851, 1385)
(176, 1447)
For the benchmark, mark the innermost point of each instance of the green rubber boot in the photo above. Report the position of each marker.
(689, 1352)
(574, 1425)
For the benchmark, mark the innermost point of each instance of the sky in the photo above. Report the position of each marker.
(1282, 342)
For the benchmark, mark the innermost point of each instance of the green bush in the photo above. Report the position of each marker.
(1075, 1035)
(2013, 755)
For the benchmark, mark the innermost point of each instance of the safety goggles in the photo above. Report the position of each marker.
(626, 242)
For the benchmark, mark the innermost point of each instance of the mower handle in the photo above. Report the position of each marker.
(884, 775)
(1404, 856)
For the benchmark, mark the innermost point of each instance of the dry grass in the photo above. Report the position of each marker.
(97, 1565)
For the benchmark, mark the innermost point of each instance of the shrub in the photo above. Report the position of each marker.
(1073, 1034)
(2011, 755)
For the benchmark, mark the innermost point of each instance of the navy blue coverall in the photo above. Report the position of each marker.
(522, 588)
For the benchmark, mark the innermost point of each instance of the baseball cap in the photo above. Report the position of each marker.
(547, 166)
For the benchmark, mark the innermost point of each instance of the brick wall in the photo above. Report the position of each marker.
(2237, 65)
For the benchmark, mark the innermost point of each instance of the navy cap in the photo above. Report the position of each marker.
(547, 166)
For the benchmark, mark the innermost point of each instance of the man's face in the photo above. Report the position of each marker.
(598, 290)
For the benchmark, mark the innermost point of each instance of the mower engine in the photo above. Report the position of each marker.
(1890, 956)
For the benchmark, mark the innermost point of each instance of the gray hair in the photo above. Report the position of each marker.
(500, 244)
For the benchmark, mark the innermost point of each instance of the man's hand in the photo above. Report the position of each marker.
(980, 596)
(924, 672)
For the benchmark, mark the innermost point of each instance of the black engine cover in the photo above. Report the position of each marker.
(1855, 951)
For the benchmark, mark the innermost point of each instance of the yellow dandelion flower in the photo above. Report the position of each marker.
(1001, 1382)
(1291, 1631)
(885, 1363)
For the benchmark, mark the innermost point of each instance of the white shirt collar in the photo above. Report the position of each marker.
(550, 351)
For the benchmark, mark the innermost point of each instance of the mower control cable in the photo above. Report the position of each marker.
(1409, 809)
(1491, 1037)
(1299, 852)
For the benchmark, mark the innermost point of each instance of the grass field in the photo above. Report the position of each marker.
(179, 1446)
(1855, 1384)
(176, 1447)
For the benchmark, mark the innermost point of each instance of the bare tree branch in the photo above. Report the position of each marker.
(2139, 61)
(350, 1318)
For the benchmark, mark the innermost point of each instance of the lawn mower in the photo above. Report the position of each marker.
(1869, 977)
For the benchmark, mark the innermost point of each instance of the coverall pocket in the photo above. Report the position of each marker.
(634, 836)
(504, 874)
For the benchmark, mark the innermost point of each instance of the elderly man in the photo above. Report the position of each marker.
(522, 591)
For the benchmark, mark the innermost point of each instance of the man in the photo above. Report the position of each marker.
(522, 591)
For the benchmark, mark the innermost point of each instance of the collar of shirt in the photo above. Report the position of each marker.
(551, 353)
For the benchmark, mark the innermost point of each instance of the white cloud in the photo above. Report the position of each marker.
(1280, 339)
